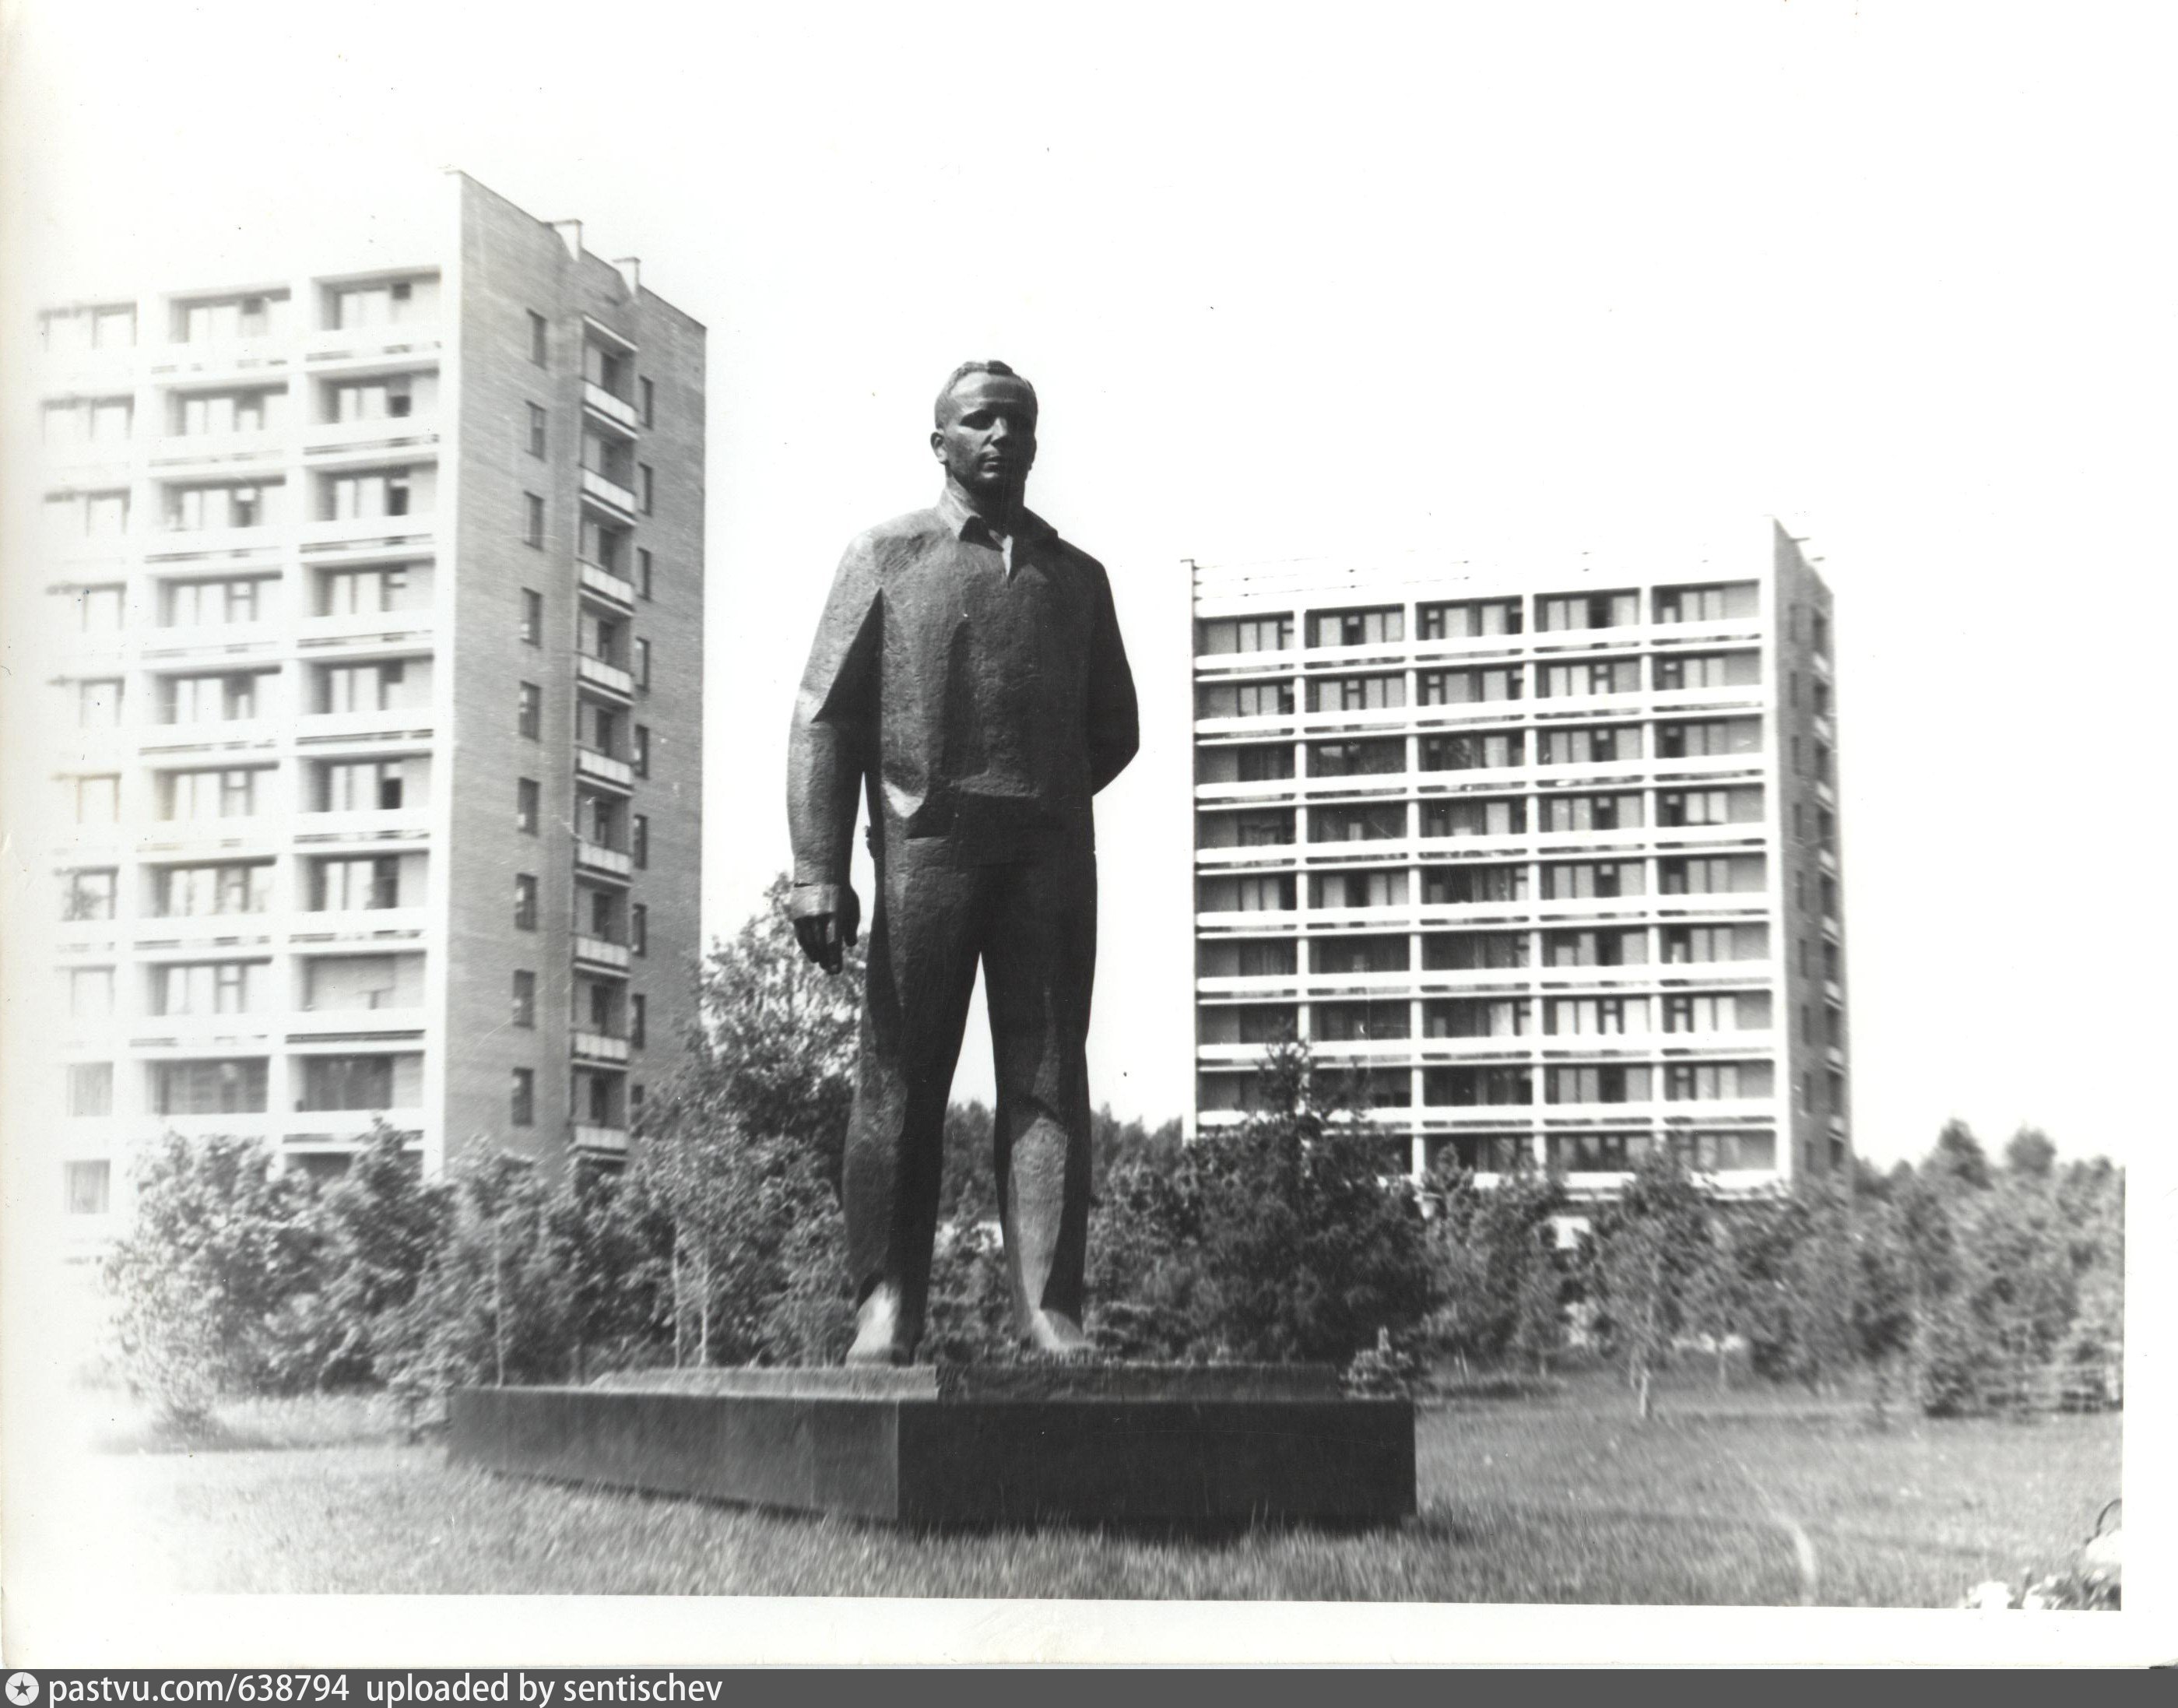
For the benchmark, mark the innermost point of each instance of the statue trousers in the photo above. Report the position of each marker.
(1032, 926)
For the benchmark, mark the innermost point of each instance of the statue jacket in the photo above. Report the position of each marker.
(974, 693)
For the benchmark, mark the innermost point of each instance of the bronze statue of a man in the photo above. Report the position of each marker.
(969, 680)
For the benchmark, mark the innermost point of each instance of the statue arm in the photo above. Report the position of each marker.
(829, 750)
(1114, 721)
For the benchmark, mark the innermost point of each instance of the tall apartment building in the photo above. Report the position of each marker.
(1543, 854)
(375, 746)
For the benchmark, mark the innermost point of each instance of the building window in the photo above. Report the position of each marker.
(538, 337)
(649, 402)
(1587, 611)
(1357, 759)
(1270, 828)
(1244, 700)
(1581, 681)
(1379, 822)
(1504, 815)
(98, 704)
(1347, 956)
(533, 618)
(536, 429)
(1601, 1084)
(526, 801)
(231, 1086)
(97, 800)
(1467, 687)
(1356, 693)
(89, 895)
(1462, 1087)
(1603, 744)
(1503, 1017)
(1469, 619)
(1380, 887)
(641, 756)
(337, 886)
(85, 1187)
(642, 665)
(1473, 752)
(1588, 881)
(1384, 626)
(1709, 738)
(525, 1000)
(649, 487)
(1600, 1016)
(1595, 948)
(521, 1099)
(1709, 670)
(529, 710)
(643, 571)
(1455, 886)
(1268, 764)
(1707, 604)
(1245, 634)
(525, 901)
(638, 928)
(638, 842)
(90, 1088)
(638, 1014)
(532, 520)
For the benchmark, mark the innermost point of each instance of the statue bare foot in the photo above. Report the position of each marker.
(882, 1334)
(1054, 1331)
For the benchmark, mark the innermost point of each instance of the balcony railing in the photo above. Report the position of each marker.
(603, 768)
(602, 673)
(599, 1047)
(608, 584)
(587, 1137)
(595, 856)
(618, 410)
(598, 951)
(609, 492)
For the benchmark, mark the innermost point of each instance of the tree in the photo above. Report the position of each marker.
(1645, 1256)
(1959, 1159)
(1497, 1284)
(1306, 1249)
(382, 1222)
(220, 1247)
(2030, 1153)
(776, 1038)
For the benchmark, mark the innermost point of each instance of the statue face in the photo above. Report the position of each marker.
(987, 439)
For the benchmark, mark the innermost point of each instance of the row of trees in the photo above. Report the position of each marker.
(1966, 1285)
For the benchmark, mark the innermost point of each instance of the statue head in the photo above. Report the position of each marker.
(985, 431)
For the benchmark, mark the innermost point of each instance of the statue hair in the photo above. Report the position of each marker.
(963, 371)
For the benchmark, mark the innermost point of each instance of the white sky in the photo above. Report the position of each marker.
(1349, 281)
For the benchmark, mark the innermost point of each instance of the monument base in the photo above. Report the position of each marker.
(1178, 1444)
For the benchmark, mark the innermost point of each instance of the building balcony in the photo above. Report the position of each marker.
(616, 590)
(594, 953)
(602, 674)
(341, 344)
(603, 491)
(315, 1023)
(603, 768)
(586, 1136)
(599, 1047)
(405, 823)
(182, 455)
(264, 537)
(371, 439)
(365, 530)
(618, 410)
(214, 643)
(169, 835)
(198, 931)
(251, 1124)
(393, 725)
(595, 856)
(343, 1127)
(198, 1032)
(315, 631)
(357, 925)
(212, 734)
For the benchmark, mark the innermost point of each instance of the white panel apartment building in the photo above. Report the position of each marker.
(1544, 854)
(373, 610)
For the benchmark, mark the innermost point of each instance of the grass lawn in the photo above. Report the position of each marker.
(1758, 1497)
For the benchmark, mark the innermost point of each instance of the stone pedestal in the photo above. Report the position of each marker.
(1087, 1443)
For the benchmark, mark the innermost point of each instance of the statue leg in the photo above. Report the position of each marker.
(1039, 964)
(921, 973)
